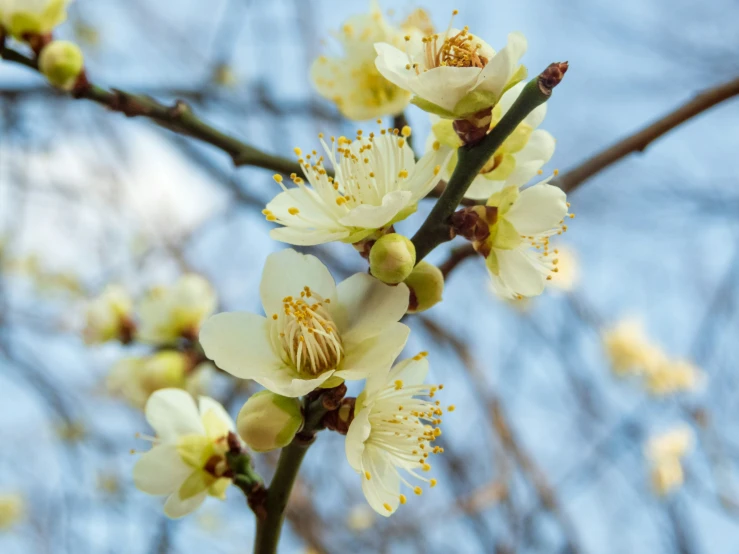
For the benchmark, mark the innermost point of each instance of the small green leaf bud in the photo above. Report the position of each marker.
(426, 282)
(392, 258)
(62, 62)
(269, 421)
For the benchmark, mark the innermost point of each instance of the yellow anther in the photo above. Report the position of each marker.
(298, 151)
(433, 482)
(401, 142)
(398, 384)
(277, 177)
(367, 475)
(403, 499)
(293, 211)
(426, 467)
(403, 174)
(405, 131)
(274, 316)
(418, 491)
(387, 507)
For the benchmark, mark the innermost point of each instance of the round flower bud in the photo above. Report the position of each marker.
(426, 282)
(392, 258)
(268, 421)
(62, 62)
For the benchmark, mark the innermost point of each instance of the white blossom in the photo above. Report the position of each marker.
(390, 438)
(109, 316)
(377, 183)
(315, 333)
(167, 313)
(187, 461)
(517, 250)
(515, 162)
(352, 81)
(455, 74)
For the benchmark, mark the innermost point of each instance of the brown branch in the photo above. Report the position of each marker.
(457, 256)
(639, 141)
(178, 118)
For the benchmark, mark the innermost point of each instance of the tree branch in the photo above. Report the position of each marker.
(178, 118)
(436, 229)
(269, 527)
(639, 141)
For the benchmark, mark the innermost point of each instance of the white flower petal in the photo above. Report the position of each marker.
(286, 382)
(366, 306)
(375, 217)
(172, 413)
(358, 433)
(207, 404)
(411, 371)
(538, 209)
(482, 188)
(538, 151)
(313, 213)
(160, 470)
(391, 63)
(445, 86)
(306, 237)
(287, 272)
(499, 70)
(239, 343)
(383, 487)
(520, 272)
(425, 175)
(373, 354)
(176, 508)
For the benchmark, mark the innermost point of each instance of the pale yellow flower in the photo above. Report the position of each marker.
(12, 510)
(665, 453)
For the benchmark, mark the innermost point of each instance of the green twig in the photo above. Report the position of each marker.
(316, 406)
(436, 229)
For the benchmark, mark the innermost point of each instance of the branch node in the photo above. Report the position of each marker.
(552, 76)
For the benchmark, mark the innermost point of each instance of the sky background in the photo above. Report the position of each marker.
(107, 199)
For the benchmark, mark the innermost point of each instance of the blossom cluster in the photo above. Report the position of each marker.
(167, 320)
(315, 335)
(633, 354)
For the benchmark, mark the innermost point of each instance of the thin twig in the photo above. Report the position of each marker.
(639, 141)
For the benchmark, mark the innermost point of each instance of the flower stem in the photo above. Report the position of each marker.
(269, 528)
(315, 407)
(436, 229)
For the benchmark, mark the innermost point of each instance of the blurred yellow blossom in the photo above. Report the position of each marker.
(632, 353)
(361, 517)
(664, 453)
(568, 274)
(12, 510)
(353, 81)
(168, 313)
(109, 316)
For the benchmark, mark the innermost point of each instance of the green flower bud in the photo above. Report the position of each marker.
(268, 421)
(426, 282)
(62, 62)
(392, 258)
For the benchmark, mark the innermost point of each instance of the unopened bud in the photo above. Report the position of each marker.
(62, 62)
(426, 283)
(269, 421)
(392, 258)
